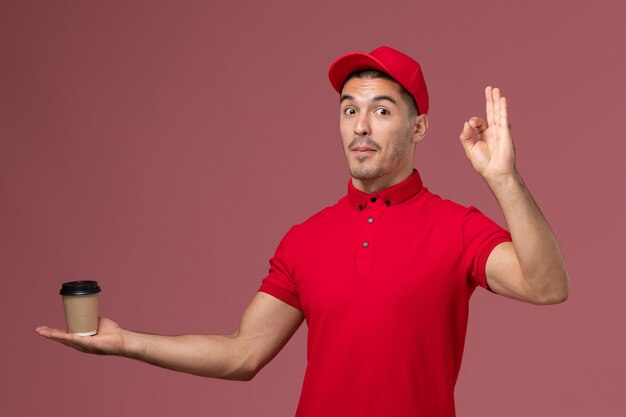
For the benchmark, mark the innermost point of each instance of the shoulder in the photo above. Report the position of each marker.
(441, 207)
(326, 215)
(447, 216)
(323, 220)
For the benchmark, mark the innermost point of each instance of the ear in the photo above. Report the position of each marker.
(420, 126)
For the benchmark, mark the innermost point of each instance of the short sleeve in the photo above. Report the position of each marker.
(480, 236)
(280, 281)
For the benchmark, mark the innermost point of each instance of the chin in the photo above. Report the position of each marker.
(365, 174)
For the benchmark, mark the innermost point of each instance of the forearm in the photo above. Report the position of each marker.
(538, 252)
(216, 356)
(266, 326)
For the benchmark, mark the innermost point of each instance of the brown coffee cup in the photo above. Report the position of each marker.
(80, 303)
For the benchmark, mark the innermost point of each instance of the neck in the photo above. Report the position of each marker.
(377, 184)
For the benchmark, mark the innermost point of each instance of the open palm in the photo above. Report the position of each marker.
(109, 340)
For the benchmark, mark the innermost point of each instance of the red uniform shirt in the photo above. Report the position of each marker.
(384, 281)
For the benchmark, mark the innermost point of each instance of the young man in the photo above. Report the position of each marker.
(384, 276)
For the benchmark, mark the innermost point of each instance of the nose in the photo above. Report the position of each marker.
(362, 125)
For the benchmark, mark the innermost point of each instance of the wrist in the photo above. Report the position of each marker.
(132, 347)
(504, 182)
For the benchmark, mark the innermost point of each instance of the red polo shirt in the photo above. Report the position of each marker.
(384, 281)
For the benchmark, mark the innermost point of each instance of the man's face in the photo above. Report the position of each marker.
(377, 130)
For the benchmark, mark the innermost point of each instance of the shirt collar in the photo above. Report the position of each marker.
(391, 196)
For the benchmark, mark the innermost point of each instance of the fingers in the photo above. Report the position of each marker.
(80, 343)
(466, 135)
(489, 105)
(44, 331)
(58, 335)
(474, 123)
(479, 124)
(497, 114)
(504, 114)
(496, 106)
(54, 334)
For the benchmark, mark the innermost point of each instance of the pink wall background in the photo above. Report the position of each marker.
(164, 148)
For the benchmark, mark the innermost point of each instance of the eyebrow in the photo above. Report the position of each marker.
(377, 98)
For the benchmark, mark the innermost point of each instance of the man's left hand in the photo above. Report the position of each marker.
(488, 144)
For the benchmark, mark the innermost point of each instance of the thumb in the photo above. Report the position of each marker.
(466, 137)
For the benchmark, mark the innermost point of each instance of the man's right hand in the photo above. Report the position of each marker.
(266, 326)
(108, 341)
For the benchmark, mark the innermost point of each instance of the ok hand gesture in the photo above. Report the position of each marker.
(488, 144)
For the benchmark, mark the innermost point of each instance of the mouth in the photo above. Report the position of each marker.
(362, 149)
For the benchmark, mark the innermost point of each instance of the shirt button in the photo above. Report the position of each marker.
(365, 244)
(370, 220)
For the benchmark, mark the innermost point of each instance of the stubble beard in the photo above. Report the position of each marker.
(361, 172)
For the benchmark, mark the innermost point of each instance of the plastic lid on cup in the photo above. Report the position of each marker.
(80, 288)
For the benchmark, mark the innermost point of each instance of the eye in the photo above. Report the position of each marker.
(349, 111)
(382, 111)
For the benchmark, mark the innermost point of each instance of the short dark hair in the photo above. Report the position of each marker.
(373, 74)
